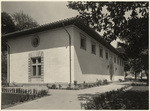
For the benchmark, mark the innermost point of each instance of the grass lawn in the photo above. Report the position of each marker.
(130, 99)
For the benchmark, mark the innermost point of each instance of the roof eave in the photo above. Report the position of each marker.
(66, 22)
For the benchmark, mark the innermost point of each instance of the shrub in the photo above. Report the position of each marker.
(138, 84)
(120, 80)
(105, 81)
(99, 82)
(53, 86)
(15, 95)
(75, 83)
(69, 87)
(60, 86)
(119, 99)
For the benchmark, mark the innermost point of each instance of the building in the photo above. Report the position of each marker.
(64, 52)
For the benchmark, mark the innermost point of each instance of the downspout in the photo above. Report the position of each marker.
(69, 51)
(8, 63)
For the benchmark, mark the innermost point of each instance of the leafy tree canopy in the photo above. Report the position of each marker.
(15, 22)
(110, 17)
(23, 21)
(7, 23)
(12, 23)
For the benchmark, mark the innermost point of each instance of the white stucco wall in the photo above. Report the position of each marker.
(54, 44)
(89, 67)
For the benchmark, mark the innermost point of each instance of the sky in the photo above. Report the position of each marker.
(42, 12)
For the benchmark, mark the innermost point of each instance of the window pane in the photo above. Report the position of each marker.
(93, 49)
(101, 52)
(83, 43)
(34, 61)
(106, 55)
(39, 70)
(118, 61)
(114, 59)
(39, 60)
(34, 70)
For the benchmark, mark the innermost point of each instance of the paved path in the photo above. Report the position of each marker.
(65, 99)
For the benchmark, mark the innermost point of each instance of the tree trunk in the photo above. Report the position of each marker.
(147, 75)
(141, 75)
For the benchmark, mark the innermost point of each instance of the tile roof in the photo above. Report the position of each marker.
(70, 21)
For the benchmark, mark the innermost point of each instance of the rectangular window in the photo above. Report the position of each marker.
(39, 70)
(93, 48)
(36, 66)
(122, 62)
(82, 42)
(39, 60)
(101, 52)
(34, 70)
(118, 61)
(33, 60)
(114, 59)
(107, 55)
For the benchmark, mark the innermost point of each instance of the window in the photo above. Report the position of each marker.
(114, 59)
(39, 70)
(117, 60)
(107, 55)
(35, 41)
(36, 67)
(82, 42)
(34, 70)
(101, 52)
(93, 48)
(120, 62)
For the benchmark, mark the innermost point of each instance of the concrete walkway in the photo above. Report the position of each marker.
(65, 99)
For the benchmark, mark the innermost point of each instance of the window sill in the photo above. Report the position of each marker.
(35, 76)
(83, 48)
(93, 53)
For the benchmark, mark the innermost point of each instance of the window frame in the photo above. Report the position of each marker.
(115, 59)
(93, 44)
(107, 57)
(84, 38)
(36, 65)
(118, 60)
(101, 54)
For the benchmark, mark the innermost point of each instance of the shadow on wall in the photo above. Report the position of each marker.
(89, 63)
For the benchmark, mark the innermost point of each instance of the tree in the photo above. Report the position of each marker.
(12, 23)
(7, 26)
(136, 44)
(7, 23)
(23, 21)
(109, 17)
